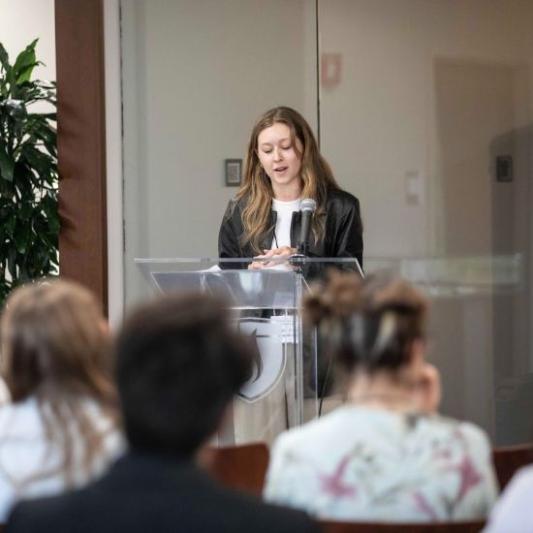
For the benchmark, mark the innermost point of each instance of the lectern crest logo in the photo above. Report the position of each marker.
(270, 364)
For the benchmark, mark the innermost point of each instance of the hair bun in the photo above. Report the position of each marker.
(370, 322)
(337, 299)
(315, 309)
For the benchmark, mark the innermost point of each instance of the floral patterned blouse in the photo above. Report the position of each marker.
(365, 464)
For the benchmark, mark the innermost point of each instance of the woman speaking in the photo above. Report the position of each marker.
(284, 166)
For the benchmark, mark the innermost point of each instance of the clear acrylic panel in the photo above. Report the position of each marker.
(286, 387)
(426, 116)
(476, 310)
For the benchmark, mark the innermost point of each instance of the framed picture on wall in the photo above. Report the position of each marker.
(233, 172)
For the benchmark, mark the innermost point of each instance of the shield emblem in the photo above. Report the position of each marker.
(270, 365)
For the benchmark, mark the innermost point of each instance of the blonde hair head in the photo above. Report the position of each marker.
(54, 346)
(256, 190)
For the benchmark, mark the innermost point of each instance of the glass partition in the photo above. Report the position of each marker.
(423, 110)
(475, 306)
(425, 115)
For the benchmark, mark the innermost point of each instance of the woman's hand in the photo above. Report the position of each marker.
(278, 255)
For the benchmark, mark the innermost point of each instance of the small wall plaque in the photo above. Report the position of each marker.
(233, 172)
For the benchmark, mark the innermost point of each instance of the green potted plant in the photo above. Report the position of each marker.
(29, 221)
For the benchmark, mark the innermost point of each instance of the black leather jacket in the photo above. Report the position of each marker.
(343, 230)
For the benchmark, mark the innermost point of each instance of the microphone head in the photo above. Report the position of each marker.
(308, 204)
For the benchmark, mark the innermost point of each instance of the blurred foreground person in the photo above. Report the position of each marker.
(179, 363)
(58, 430)
(513, 513)
(386, 455)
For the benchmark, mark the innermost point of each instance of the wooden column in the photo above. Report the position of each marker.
(81, 143)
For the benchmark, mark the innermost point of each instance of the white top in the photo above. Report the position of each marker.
(282, 232)
(363, 464)
(31, 467)
(512, 513)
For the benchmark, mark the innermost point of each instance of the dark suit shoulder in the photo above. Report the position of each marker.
(238, 203)
(33, 515)
(342, 198)
(232, 207)
(260, 517)
(189, 501)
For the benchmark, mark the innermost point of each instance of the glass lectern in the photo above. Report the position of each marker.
(283, 390)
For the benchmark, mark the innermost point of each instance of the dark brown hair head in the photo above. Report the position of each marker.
(179, 361)
(368, 323)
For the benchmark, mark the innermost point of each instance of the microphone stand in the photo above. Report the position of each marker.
(297, 261)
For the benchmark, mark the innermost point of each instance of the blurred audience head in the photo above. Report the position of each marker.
(179, 363)
(376, 324)
(55, 350)
(54, 343)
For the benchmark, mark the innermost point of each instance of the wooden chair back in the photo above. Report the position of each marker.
(241, 467)
(447, 527)
(507, 460)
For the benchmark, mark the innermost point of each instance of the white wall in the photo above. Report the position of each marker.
(381, 124)
(22, 21)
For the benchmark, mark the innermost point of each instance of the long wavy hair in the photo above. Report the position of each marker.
(55, 347)
(257, 191)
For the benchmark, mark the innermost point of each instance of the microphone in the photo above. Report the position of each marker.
(307, 207)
